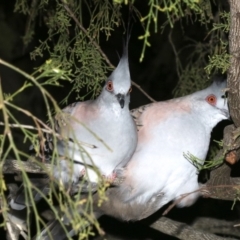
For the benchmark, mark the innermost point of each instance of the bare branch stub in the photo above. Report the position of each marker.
(182, 230)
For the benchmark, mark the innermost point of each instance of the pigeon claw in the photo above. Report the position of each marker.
(116, 178)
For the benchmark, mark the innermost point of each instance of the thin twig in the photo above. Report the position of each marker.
(85, 31)
(141, 90)
(48, 130)
(32, 79)
(13, 166)
(31, 17)
(16, 125)
(180, 199)
(206, 191)
(175, 53)
(17, 70)
(183, 231)
(99, 48)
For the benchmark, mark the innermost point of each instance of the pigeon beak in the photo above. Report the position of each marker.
(121, 99)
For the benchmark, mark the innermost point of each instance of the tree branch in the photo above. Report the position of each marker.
(182, 230)
(217, 226)
(141, 90)
(221, 185)
(14, 166)
(47, 129)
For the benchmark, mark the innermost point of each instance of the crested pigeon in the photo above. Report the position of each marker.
(105, 123)
(159, 171)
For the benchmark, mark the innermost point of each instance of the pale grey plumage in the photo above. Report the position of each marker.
(105, 123)
(109, 119)
(158, 172)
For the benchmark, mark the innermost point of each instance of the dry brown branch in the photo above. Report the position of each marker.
(165, 225)
(14, 166)
(141, 90)
(220, 184)
(178, 66)
(47, 129)
(171, 206)
(182, 230)
(217, 226)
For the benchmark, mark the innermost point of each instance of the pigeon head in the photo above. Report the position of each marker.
(118, 85)
(212, 102)
(219, 97)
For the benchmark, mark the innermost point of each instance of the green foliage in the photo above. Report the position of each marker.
(224, 25)
(220, 59)
(219, 62)
(48, 74)
(200, 164)
(208, 57)
(72, 45)
(74, 55)
(120, 1)
(175, 10)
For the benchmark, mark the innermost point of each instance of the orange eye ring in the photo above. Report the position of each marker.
(211, 99)
(109, 86)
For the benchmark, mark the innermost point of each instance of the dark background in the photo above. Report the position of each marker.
(156, 75)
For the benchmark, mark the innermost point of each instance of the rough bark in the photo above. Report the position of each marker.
(221, 185)
(182, 230)
(234, 70)
(219, 226)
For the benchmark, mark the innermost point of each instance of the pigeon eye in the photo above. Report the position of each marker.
(130, 89)
(211, 99)
(109, 86)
